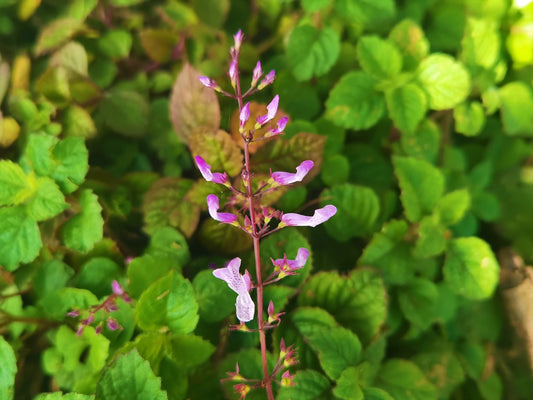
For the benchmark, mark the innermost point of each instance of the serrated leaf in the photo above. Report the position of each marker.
(168, 243)
(469, 118)
(407, 106)
(131, 378)
(516, 101)
(82, 231)
(20, 239)
(445, 81)
(481, 43)
(57, 303)
(168, 302)
(115, 43)
(309, 320)
(337, 349)
(312, 52)
(158, 44)
(471, 268)
(51, 276)
(189, 351)
(431, 238)
(357, 211)
(348, 387)
(192, 105)
(78, 122)
(411, 41)
(56, 33)
(218, 149)
(421, 183)
(125, 111)
(424, 143)
(8, 370)
(366, 12)
(378, 57)
(418, 301)
(215, 301)
(223, 238)
(309, 385)
(73, 57)
(97, 275)
(47, 202)
(354, 102)
(403, 380)
(145, 270)
(61, 396)
(452, 207)
(164, 205)
(15, 186)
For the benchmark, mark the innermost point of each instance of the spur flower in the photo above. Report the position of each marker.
(257, 74)
(267, 80)
(240, 284)
(205, 170)
(286, 178)
(244, 116)
(213, 206)
(272, 109)
(285, 267)
(321, 215)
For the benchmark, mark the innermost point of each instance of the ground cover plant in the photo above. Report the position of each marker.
(357, 225)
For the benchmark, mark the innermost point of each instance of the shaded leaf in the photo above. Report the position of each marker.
(56, 33)
(403, 380)
(378, 57)
(407, 106)
(125, 111)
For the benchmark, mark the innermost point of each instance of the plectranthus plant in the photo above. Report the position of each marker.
(258, 221)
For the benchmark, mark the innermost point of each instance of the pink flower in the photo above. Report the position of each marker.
(282, 123)
(205, 170)
(321, 215)
(286, 178)
(112, 324)
(208, 82)
(117, 289)
(267, 80)
(272, 109)
(213, 206)
(258, 72)
(240, 284)
(233, 73)
(238, 40)
(244, 116)
(285, 267)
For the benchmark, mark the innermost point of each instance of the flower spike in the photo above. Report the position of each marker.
(321, 215)
(240, 284)
(205, 170)
(238, 40)
(213, 206)
(286, 178)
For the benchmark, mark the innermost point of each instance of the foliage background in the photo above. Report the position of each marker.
(418, 116)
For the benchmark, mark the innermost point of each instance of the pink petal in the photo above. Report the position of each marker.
(286, 178)
(207, 82)
(205, 170)
(213, 206)
(321, 215)
(230, 274)
(238, 39)
(244, 115)
(267, 80)
(258, 72)
(272, 109)
(301, 257)
(112, 324)
(117, 289)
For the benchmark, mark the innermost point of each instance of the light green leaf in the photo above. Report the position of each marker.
(309, 385)
(357, 211)
(215, 301)
(314, 5)
(56, 33)
(354, 102)
(469, 118)
(481, 43)
(189, 351)
(446, 81)
(337, 349)
(8, 370)
(71, 163)
(378, 57)
(20, 239)
(348, 387)
(130, 378)
(407, 106)
(424, 143)
(15, 186)
(97, 275)
(403, 380)
(51, 276)
(421, 183)
(72, 57)
(516, 102)
(431, 238)
(366, 12)
(125, 111)
(78, 122)
(144, 270)
(115, 44)
(312, 52)
(409, 38)
(168, 302)
(82, 231)
(452, 207)
(418, 301)
(376, 394)
(61, 396)
(470, 268)
(47, 202)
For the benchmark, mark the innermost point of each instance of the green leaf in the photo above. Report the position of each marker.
(8, 370)
(409, 38)
(189, 351)
(486, 206)
(418, 301)
(71, 160)
(407, 106)
(47, 202)
(516, 101)
(51, 276)
(54, 85)
(82, 231)
(337, 349)
(308, 385)
(335, 170)
(78, 122)
(20, 239)
(481, 43)
(314, 5)
(223, 238)
(424, 143)
(403, 380)
(309, 320)
(97, 274)
(469, 118)
(57, 303)
(61, 396)
(199, 108)
(125, 111)
(212, 12)
(445, 81)
(491, 388)
(130, 378)
(72, 57)
(115, 44)
(144, 270)
(215, 301)
(312, 52)
(348, 387)
(378, 57)
(376, 394)
(56, 33)
(366, 12)
(15, 186)
(431, 238)
(168, 302)
(354, 102)
(422, 186)
(471, 269)
(218, 149)
(452, 207)
(158, 44)
(357, 211)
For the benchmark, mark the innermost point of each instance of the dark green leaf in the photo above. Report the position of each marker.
(417, 302)
(403, 380)
(366, 12)
(516, 101)
(348, 386)
(83, 230)
(125, 111)
(215, 301)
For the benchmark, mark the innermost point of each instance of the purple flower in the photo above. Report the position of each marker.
(244, 116)
(205, 170)
(287, 267)
(213, 206)
(272, 109)
(240, 284)
(238, 40)
(282, 123)
(267, 80)
(286, 178)
(258, 72)
(233, 73)
(320, 215)
(208, 82)
(117, 289)
(112, 324)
